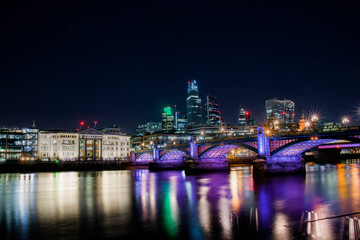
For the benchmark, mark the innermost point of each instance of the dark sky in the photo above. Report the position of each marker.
(123, 61)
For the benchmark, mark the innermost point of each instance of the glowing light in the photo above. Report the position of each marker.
(168, 111)
(349, 145)
(82, 123)
(345, 120)
(307, 124)
(95, 122)
(314, 118)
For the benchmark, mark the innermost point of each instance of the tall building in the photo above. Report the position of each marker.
(180, 122)
(193, 104)
(245, 118)
(242, 117)
(213, 116)
(282, 109)
(168, 120)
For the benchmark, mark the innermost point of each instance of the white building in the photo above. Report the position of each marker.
(89, 144)
(53, 145)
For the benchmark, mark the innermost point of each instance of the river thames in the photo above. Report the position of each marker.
(134, 204)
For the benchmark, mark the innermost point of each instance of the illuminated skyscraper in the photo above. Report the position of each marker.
(244, 118)
(193, 104)
(282, 109)
(213, 116)
(168, 120)
(180, 122)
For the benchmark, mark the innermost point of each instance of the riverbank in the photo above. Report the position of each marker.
(39, 166)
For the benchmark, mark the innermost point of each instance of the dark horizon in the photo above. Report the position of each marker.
(121, 63)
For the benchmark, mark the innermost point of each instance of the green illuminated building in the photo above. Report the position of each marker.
(168, 120)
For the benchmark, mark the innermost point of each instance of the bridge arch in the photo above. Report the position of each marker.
(297, 147)
(220, 150)
(144, 157)
(173, 155)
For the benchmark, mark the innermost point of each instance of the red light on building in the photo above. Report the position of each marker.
(77, 129)
(283, 113)
(188, 82)
(174, 105)
(246, 113)
(293, 114)
(82, 123)
(95, 122)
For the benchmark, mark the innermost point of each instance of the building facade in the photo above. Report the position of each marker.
(193, 104)
(89, 144)
(168, 120)
(149, 127)
(18, 144)
(282, 109)
(58, 145)
(213, 115)
(180, 123)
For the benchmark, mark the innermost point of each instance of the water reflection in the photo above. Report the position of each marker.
(172, 204)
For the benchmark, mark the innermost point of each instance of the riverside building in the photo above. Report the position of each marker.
(89, 144)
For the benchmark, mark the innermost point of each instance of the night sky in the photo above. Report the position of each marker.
(121, 62)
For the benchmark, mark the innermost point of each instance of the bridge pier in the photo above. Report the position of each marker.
(206, 165)
(279, 165)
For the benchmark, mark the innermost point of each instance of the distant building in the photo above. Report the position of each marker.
(160, 139)
(168, 120)
(213, 115)
(282, 109)
(180, 123)
(244, 118)
(193, 104)
(302, 123)
(149, 127)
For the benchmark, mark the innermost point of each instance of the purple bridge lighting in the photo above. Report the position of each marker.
(280, 152)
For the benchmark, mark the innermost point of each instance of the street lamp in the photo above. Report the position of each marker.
(314, 118)
(345, 121)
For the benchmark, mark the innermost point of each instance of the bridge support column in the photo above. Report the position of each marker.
(132, 157)
(279, 165)
(263, 143)
(155, 152)
(193, 149)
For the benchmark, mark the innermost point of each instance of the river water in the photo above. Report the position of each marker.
(134, 204)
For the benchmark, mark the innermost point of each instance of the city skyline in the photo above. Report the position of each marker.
(64, 65)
